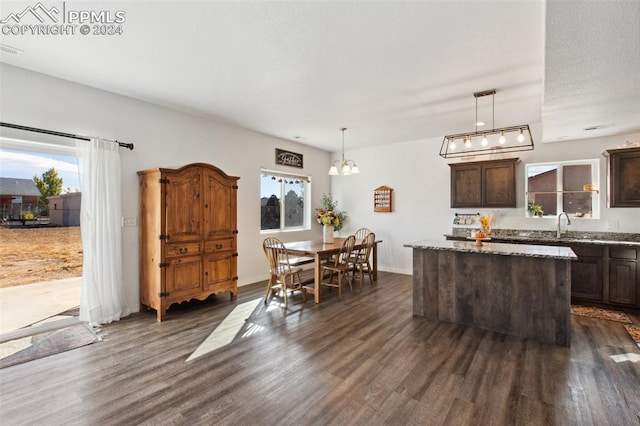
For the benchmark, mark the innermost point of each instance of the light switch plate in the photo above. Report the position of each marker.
(129, 221)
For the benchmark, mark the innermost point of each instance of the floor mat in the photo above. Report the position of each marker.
(634, 332)
(606, 314)
(44, 344)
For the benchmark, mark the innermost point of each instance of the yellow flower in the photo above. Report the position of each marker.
(485, 221)
(327, 217)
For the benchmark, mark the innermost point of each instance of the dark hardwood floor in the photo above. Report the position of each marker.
(360, 360)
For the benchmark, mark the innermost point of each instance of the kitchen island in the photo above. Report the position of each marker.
(517, 289)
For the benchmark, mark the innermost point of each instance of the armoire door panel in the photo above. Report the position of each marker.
(219, 206)
(218, 268)
(183, 276)
(183, 210)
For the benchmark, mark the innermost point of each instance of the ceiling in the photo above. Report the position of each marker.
(389, 71)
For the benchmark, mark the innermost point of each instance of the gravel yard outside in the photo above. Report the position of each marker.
(30, 255)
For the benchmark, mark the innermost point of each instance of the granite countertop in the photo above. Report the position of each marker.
(571, 237)
(502, 249)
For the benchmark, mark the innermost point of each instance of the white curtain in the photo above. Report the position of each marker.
(101, 294)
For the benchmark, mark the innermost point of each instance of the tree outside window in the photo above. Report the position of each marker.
(49, 184)
(283, 201)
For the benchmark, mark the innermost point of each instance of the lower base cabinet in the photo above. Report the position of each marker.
(624, 276)
(602, 274)
(606, 274)
(587, 278)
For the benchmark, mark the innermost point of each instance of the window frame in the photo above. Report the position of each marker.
(267, 173)
(595, 179)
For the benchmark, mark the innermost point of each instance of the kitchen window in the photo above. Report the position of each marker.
(284, 202)
(563, 186)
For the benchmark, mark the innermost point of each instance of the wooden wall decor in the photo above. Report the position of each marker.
(288, 158)
(383, 199)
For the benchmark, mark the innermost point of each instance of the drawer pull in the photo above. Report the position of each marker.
(183, 250)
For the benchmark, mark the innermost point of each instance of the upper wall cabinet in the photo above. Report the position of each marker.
(484, 184)
(623, 177)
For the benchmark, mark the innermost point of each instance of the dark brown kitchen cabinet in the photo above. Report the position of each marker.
(623, 276)
(484, 184)
(587, 277)
(623, 177)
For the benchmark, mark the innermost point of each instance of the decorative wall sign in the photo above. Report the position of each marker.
(287, 158)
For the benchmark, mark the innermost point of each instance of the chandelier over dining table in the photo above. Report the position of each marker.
(485, 142)
(343, 167)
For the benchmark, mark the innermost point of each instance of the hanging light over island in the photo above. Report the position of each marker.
(484, 142)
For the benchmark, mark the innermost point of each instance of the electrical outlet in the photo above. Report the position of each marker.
(612, 225)
(129, 221)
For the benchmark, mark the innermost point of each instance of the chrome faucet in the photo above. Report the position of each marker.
(559, 232)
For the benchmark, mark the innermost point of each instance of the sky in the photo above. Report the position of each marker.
(26, 165)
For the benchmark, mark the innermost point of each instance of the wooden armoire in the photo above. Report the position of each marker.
(188, 235)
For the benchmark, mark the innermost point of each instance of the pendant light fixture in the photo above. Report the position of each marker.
(484, 142)
(343, 167)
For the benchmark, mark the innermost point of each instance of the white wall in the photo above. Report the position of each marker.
(162, 138)
(168, 138)
(421, 182)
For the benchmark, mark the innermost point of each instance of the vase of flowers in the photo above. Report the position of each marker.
(485, 223)
(329, 220)
(329, 217)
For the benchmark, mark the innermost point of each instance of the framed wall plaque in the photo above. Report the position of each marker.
(288, 158)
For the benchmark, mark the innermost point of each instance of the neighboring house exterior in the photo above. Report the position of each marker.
(18, 196)
(64, 209)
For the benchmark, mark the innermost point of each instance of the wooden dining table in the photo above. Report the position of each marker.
(320, 251)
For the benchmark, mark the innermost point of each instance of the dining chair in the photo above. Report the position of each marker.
(360, 261)
(282, 275)
(360, 234)
(339, 266)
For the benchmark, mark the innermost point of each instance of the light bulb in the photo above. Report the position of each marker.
(467, 142)
(333, 171)
(502, 140)
(520, 137)
(355, 170)
(452, 145)
(484, 142)
(346, 170)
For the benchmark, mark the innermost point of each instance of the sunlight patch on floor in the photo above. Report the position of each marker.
(625, 357)
(229, 328)
(14, 346)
